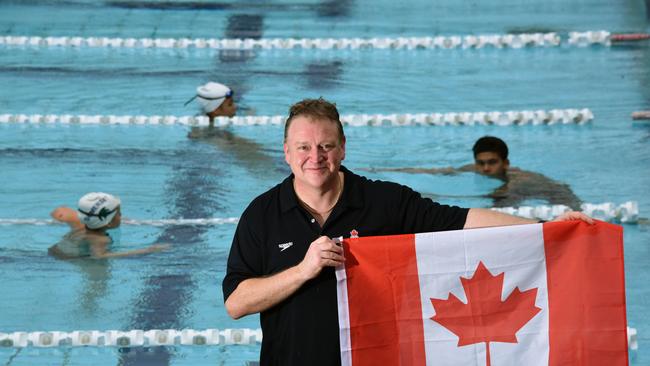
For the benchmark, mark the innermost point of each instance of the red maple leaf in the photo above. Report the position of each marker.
(485, 318)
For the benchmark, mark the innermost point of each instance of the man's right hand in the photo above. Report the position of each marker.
(258, 294)
(322, 252)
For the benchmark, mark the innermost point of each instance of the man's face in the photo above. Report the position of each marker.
(490, 163)
(313, 151)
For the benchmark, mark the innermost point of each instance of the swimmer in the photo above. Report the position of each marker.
(491, 159)
(88, 236)
(215, 100)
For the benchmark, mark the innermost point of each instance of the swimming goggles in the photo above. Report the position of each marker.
(229, 94)
(102, 214)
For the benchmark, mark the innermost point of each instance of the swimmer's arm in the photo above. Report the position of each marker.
(68, 216)
(443, 171)
(99, 250)
(483, 217)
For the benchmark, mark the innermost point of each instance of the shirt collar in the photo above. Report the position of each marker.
(352, 195)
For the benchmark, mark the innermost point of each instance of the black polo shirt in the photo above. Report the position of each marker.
(274, 233)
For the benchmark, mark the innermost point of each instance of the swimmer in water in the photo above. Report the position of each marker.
(88, 237)
(215, 100)
(491, 160)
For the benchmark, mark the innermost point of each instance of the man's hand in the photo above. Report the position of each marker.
(258, 294)
(322, 252)
(574, 215)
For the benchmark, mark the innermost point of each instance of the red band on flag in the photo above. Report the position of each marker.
(586, 288)
(384, 301)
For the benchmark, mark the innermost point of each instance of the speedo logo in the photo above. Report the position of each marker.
(285, 246)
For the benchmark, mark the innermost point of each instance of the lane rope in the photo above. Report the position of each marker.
(627, 212)
(216, 221)
(156, 337)
(505, 118)
(132, 338)
(515, 41)
(445, 42)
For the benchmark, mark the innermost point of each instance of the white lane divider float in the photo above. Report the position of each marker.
(523, 117)
(627, 213)
(632, 341)
(132, 338)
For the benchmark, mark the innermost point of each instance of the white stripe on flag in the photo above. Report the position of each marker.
(517, 251)
(344, 316)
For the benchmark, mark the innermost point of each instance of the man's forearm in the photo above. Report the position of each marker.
(255, 295)
(482, 217)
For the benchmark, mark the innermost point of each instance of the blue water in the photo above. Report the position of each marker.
(159, 173)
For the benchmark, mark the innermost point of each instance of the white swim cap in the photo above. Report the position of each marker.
(212, 95)
(97, 209)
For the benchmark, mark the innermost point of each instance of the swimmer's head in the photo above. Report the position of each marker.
(99, 210)
(216, 100)
(491, 156)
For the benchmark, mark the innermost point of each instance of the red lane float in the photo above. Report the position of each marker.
(629, 37)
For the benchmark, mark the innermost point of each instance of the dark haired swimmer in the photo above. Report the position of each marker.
(491, 159)
(97, 213)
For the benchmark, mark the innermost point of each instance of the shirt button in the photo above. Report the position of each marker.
(313, 221)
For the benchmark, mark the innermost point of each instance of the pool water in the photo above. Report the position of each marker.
(159, 173)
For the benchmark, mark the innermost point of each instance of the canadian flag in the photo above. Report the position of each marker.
(541, 294)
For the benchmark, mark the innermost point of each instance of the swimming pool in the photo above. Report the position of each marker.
(158, 173)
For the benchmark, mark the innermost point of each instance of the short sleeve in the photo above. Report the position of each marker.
(246, 256)
(421, 214)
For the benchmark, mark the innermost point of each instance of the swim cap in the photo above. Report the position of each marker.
(212, 95)
(97, 209)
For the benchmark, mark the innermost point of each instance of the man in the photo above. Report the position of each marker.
(491, 159)
(282, 259)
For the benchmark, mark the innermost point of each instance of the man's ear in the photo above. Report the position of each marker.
(286, 153)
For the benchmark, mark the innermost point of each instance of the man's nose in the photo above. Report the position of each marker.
(315, 154)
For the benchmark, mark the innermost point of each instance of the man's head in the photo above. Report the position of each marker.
(491, 156)
(216, 100)
(314, 143)
(99, 210)
(317, 109)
